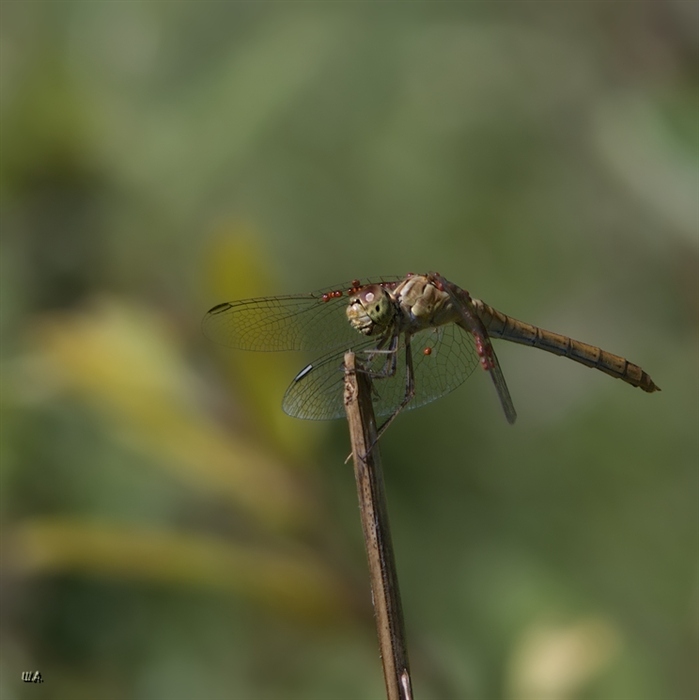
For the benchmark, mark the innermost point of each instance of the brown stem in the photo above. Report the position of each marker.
(377, 536)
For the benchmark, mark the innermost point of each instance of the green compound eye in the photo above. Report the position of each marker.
(377, 305)
(370, 310)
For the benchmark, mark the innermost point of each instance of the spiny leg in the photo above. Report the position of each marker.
(389, 368)
(409, 390)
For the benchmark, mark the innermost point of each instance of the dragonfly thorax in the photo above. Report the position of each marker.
(422, 304)
(371, 310)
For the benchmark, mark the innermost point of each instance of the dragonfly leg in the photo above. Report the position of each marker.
(409, 390)
(389, 368)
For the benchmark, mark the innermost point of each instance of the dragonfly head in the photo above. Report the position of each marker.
(371, 309)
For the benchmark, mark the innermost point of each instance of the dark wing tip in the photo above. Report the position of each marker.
(218, 308)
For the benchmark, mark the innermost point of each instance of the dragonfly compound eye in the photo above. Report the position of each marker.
(370, 310)
(377, 304)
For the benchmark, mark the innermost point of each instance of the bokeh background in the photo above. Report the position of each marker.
(167, 532)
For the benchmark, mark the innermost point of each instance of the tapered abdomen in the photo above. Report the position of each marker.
(500, 325)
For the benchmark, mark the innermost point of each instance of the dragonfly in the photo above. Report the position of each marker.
(418, 336)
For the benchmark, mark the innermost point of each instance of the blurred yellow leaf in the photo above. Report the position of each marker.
(237, 268)
(293, 582)
(123, 359)
(554, 663)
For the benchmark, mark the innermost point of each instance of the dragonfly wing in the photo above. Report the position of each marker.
(315, 321)
(501, 387)
(443, 358)
(317, 392)
(298, 322)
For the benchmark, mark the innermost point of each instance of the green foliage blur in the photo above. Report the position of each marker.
(167, 532)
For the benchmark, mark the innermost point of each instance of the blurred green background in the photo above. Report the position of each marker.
(167, 532)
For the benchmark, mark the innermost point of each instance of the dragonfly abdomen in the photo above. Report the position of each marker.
(500, 325)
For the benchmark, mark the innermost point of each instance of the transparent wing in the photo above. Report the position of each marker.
(317, 391)
(314, 321)
(300, 322)
(503, 392)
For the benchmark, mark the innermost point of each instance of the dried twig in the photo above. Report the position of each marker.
(377, 536)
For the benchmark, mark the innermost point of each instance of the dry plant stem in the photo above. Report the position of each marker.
(377, 536)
